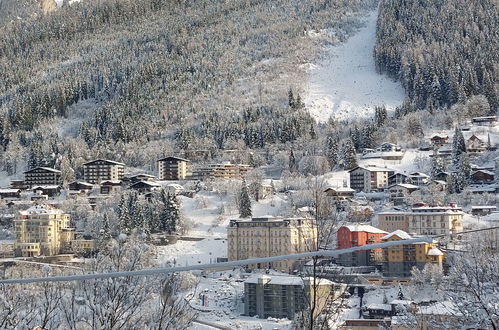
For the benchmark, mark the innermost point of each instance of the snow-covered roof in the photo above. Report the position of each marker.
(384, 307)
(401, 302)
(341, 189)
(440, 308)
(405, 185)
(175, 186)
(46, 187)
(484, 207)
(420, 174)
(285, 280)
(399, 233)
(372, 168)
(41, 209)
(365, 228)
(48, 169)
(8, 190)
(435, 252)
(485, 171)
(111, 162)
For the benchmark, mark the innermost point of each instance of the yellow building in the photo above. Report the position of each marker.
(42, 230)
(270, 236)
(399, 260)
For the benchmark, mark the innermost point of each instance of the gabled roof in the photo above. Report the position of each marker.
(145, 183)
(435, 252)
(372, 169)
(340, 189)
(110, 162)
(174, 158)
(48, 169)
(404, 185)
(81, 183)
(399, 233)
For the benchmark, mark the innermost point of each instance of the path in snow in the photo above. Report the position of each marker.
(346, 85)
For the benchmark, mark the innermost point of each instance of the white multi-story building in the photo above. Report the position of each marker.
(369, 178)
(100, 170)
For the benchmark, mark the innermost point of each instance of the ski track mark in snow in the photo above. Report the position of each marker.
(346, 85)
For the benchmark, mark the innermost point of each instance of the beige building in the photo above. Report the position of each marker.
(100, 170)
(173, 168)
(270, 236)
(42, 230)
(369, 178)
(424, 220)
(225, 170)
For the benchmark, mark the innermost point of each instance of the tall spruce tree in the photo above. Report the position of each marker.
(458, 145)
(244, 202)
(332, 150)
(348, 155)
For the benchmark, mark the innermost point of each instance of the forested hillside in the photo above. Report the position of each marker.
(442, 51)
(204, 74)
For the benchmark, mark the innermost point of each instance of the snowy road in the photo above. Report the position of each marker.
(345, 85)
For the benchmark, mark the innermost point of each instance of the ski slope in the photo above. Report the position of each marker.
(345, 84)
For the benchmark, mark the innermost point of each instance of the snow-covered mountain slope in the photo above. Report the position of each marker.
(345, 85)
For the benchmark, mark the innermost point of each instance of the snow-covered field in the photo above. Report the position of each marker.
(345, 85)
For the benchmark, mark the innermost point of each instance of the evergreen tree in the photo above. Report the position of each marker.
(244, 202)
(125, 221)
(293, 165)
(348, 155)
(332, 150)
(458, 145)
(105, 233)
(437, 165)
(291, 99)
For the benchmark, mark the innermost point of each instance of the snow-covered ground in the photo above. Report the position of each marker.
(345, 85)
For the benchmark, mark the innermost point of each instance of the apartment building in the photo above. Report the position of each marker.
(424, 219)
(42, 176)
(42, 230)
(399, 260)
(431, 220)
(174, 168)
(225, 170)
(359, 235)
(369, 178)
(284, 296)
(400, 192)
(393, 220)
(100, 170)
(270, 236)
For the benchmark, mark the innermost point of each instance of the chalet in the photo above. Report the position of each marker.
(174, 168)
(80, 186)
(400, 191)
(485, 121)
(483, 176)
(442, 176)
(49, 191)
(483, 209)
(439, 140)
(110, 186)
(444, 151)
(438, 185)
(387, 147)
(18, 184)
(369, 178)
(42, 176)
(339, 194)
(174, 188)
(397, 178)
(100, 170)
(475, 145)
(425, 146)
(130, 180)
(10, 194)
(144, 187)
(483, 189)
(418, 178)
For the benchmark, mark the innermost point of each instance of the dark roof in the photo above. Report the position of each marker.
(48, 169)
(175, 158)
(112, 162)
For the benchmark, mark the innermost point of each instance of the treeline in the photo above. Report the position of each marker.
(442, 51)
(158, 69)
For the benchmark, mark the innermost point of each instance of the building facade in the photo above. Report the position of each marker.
(100, 170)
(370, 178)
(285, 296)
(359, 235)
(42, 230)
(393, 220)
(433, 220)
(225, 170)
(399, 260)
(174, 168)
(42, 176)
(270, 236)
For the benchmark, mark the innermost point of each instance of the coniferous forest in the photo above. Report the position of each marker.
(442, 51)
(199, 73)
